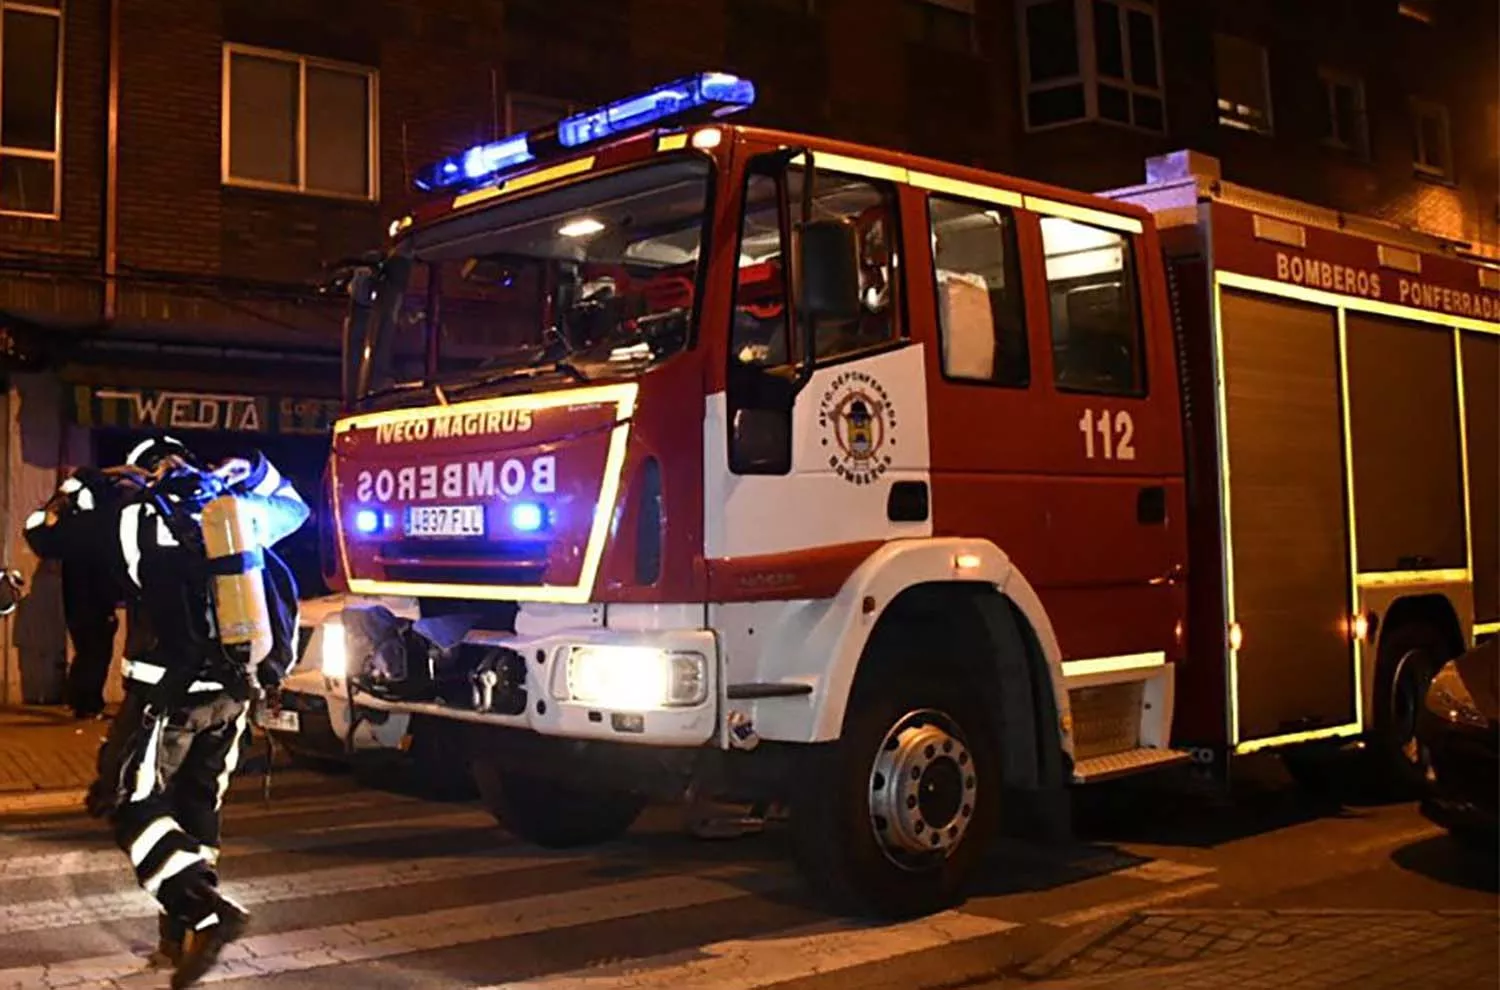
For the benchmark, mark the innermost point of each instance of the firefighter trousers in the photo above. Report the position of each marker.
(174, 768)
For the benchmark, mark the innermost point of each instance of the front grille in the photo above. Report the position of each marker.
(1106, 719)
(465, 561)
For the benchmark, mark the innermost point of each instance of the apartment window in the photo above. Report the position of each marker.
(31, 107)
(1432, 150)
(1345, 126)
(1096, 318)
(1092, 60)
(1244, 83)
(525, 113)
(300, 124)
(981, 315)
(944, 24)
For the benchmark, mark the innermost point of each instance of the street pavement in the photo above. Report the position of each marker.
(353, 881)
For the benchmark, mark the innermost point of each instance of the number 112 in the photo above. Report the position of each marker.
(1116, 435)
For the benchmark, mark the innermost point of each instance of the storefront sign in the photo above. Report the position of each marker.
(138, 408)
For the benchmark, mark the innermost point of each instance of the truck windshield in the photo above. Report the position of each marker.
(595, 279)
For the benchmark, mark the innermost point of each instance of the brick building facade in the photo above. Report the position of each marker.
(176, 176)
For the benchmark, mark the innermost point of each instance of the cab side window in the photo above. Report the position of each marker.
(1096, 315)
(761, 333)
(980, 303)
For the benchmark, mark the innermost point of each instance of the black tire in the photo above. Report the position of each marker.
(440, 759)
(551, 814)
(834, 807)
(1410, 656)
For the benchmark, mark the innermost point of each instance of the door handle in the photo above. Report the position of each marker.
(1151, 506)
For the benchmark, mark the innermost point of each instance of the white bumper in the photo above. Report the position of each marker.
(623, 674)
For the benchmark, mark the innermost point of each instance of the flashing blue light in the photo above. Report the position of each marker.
(718, 90)
(718, 93)
(479, 162)
(367, 520)
(526, 517)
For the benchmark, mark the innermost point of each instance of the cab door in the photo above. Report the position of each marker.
(1113, 577)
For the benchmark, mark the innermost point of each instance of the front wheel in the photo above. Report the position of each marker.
(892, 819)
(551, 814)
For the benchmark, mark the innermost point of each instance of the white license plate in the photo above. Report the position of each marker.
(445, 520)
(280, 721)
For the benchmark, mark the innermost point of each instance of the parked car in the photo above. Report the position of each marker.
(1459, 732)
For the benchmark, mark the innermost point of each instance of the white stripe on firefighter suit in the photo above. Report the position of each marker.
(159, 829)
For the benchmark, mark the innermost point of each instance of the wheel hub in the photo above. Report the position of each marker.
(922, 788)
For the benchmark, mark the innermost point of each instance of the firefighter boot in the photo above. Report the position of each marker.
(203, 943)
(170, 933)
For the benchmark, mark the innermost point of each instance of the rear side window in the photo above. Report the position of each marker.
(1096, 314)
(979, 297)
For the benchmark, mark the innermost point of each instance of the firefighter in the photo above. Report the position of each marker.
(219, 615)
(68, 530)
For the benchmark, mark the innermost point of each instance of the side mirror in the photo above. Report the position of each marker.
(11, 586)
(760, 441)
(829, 251)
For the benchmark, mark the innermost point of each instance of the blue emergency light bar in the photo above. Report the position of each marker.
(714, 93)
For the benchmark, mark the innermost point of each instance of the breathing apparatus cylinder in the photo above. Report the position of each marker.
(235, 560)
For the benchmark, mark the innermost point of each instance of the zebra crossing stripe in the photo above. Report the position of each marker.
(300, 950)
(751, 963)
(66, 912)
(67, 860)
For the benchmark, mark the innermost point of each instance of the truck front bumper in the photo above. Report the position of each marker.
(654, 687)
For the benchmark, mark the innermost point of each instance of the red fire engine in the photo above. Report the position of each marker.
(737, 462)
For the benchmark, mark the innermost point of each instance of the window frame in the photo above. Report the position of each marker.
(303, 63)
(1331, 79)
(899, 266)
(1016, 267)
(1089, 75)
(55, 156)
(1131, 242)
(1429, 109)
(1237, 123)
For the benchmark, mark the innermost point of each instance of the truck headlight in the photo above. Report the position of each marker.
(635, 678)
(335, 651)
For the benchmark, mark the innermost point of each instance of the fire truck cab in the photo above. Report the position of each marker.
(736, 462)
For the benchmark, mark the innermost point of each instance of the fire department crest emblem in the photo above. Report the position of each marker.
(858, 423)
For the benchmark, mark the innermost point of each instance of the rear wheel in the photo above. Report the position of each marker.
(892, 819)
(1410, 656)
(551, 814)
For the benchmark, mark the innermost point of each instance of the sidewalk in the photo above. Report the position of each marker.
(1224, 949)
(46, 757)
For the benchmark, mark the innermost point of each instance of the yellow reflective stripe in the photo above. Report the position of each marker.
(1334, 732)
(672, 142)
(967, 190)
(1110, 665)
(526, 181)
(1084, 214)
(622, 394)
(1389, 579)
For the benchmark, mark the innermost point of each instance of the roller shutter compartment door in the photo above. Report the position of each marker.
(1403, 425)
(1288, 515)
(1481, 355)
